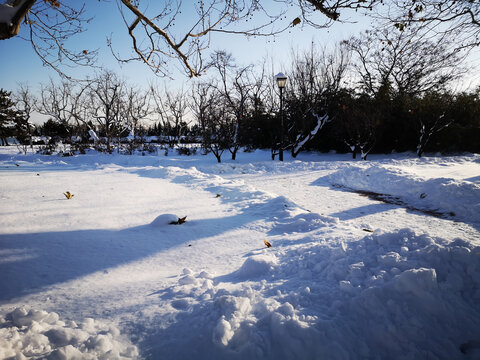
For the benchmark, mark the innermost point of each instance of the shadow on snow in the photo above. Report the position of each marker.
(32, 261)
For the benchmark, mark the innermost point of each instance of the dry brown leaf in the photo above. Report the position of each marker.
(267, 243)
(181, 220)
(68, 195)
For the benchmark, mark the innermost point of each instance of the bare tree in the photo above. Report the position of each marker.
(330, 9)
(163, 38)
(56, 101)
(26, 102)
(182, 31)
(218, 122)
(68, 103)
(50, 24)
(80, 106)
(159, 33)
(408, 61)
(260, 127)
(316, 76)
(201, 105)
(234, 88)
(137, 107)
(172, 107)
(461, 18)
(356, 121)
(430, 113)
(107, 96)
(218, 128)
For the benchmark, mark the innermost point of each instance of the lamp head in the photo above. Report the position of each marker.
(281, 80)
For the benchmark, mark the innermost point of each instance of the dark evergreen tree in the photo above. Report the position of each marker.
(12, 123)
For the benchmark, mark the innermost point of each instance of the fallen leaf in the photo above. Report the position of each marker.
(218, 195)
(367, 230)
(267, 243)
(179, 221)
(296, 21)
(68, 195)
(182, 220)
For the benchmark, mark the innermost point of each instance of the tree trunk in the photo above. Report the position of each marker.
(294, 153)
(273, 154)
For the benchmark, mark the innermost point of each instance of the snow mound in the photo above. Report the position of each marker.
(387, 295)
(164, 220)
(40, 334)
(301, 222)
(256, 266)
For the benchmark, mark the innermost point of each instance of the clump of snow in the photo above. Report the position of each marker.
(40, 334)
(300, 221)
(164, 219)
(93, 135)
(256, 266)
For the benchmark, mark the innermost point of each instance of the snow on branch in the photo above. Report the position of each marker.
(300, 142)
(11, 15)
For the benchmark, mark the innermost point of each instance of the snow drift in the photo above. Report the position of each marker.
(40, 334)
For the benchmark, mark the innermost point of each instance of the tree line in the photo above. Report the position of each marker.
(383, 91)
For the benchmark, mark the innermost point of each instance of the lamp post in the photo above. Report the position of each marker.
(281, 82)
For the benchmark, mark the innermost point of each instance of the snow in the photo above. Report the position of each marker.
(105, 275)
(93, 135)
(35, 333)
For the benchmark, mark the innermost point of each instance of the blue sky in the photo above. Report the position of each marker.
(19, 63)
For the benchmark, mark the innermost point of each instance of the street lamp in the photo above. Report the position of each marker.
(281, 82)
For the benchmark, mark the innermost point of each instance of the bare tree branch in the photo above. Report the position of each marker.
(49, 25)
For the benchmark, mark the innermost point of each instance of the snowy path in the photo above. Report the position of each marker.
(306, 190)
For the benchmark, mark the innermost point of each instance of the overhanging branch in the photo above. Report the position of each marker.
(12, 16)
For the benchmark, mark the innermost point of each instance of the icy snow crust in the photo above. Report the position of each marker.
(103, 275)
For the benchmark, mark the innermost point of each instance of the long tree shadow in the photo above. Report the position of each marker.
(32, 261)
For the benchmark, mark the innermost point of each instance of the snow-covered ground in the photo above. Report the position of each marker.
(369, 260)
